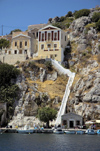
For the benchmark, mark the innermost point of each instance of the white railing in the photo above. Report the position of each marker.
(67, 90)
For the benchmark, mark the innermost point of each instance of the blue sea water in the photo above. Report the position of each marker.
(49, 142)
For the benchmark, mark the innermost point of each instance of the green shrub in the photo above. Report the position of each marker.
(62, 18)
(90, 25)
(98, 58)
(98, 25)
(15, 30)
(67, 25)
(96, 17)
(99, 47)
(32, 65)
(48, 65)
(59, 25)
(17, 62)
(82, 12)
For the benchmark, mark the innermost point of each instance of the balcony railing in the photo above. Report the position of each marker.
(49, 49)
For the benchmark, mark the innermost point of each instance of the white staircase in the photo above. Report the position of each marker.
(67, 90)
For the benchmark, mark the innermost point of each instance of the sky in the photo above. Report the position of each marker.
(19, 14)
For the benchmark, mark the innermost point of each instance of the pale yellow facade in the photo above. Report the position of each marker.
(51, 43)
(21, 43)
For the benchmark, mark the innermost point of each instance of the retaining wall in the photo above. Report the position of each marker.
(12, 58)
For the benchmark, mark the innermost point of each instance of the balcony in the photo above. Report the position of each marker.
(50, 49)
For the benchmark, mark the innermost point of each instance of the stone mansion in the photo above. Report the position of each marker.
(41, 41)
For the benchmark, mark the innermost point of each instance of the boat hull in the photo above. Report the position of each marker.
(90, 132)
(25, 131)
(80, 132)
(58, 131)
(98, 132)
(69, 132)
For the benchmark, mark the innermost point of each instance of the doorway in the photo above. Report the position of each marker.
(15, 51)
(71, 124)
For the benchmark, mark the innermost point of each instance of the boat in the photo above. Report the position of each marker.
(80, 132)
(90, 132)
(58, 131)
(98, 131)
(69, 132)
(25, 130)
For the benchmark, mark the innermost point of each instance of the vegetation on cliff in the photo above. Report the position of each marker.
(4, 43)
(47, 114)
(8, 90)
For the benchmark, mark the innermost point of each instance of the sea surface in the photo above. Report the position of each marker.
(49, 142)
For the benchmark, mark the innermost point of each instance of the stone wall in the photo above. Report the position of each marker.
(12, 58)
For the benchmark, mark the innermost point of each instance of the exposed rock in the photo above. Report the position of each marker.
(79, 23)
(95, 98)
(71, 63)
(42, 74)
(87, 98)
(56, 100)
(81, 47)
(52, 76)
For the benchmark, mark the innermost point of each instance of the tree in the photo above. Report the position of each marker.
(50, 20)
(4, 43)
(47, 114)
(7, 72)
(69, 14)
(15, 30)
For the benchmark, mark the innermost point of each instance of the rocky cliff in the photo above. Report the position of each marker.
(83, 57)
(40, 85)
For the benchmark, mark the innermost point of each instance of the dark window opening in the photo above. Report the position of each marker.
(20, 44)
(77, 122)
(25, 51)
(25, 43)
(37, 34)
(15, 44)
(65, 38)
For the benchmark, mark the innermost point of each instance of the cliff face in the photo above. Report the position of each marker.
(40, 86)
(83, 58)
